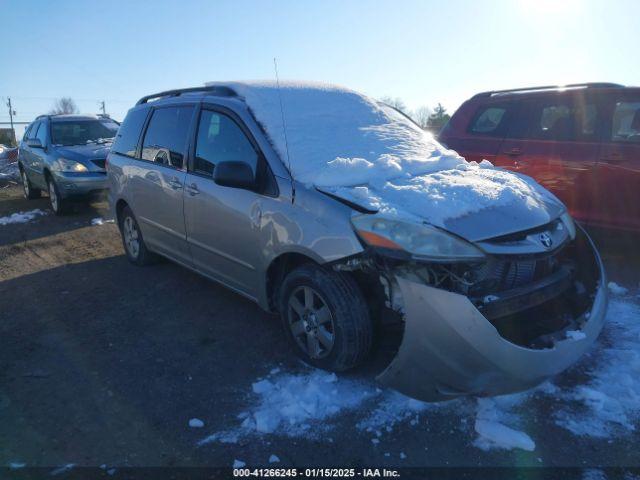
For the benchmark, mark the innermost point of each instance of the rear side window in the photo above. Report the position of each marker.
(626, 122)
(129, 133)
(165, 140)
(488, 121)
(557, 119)
(220, 139)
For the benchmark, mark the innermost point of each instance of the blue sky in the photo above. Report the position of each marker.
(421, 51)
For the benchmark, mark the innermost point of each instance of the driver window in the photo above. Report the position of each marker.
(220, 139)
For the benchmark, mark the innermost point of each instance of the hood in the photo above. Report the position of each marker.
(81, 153)
(472, 201)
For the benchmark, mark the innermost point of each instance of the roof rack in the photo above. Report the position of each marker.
(221, 91)
(550, 87)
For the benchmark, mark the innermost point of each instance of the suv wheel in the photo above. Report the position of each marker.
(325, 317)
(134, 246)
(29, 192)
(58, 204)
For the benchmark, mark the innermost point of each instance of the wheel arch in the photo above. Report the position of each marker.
(278, 269)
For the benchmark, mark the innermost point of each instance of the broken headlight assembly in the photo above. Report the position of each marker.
(420, 241)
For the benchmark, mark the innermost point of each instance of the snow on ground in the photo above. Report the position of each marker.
(21, 217)
(101, 221)
(358, 149)
(607, 404)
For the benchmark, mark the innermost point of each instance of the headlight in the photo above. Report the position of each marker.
(421, 241)
(64, 165)
(569, 224)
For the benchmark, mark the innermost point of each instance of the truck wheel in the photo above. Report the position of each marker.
(134, 246)
(59, 205)
(325, 316)
(29, 192)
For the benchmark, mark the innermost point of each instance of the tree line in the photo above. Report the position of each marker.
(424, 116)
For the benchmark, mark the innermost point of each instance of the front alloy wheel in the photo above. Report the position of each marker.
(311, 322)
(58, 204)
(325, 317)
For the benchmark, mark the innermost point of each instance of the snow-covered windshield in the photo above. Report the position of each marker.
(81, 132)
(364, 151)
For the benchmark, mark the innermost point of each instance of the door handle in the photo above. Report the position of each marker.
(514, 152)
(175, 183)
(193, 189)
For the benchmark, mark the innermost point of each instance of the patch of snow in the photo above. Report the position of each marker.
(17, 465)
(111, 471)
(575, 335)
(63, 469)
(617, 289)
(274, 459)
(359, 149)
(101, 221)
(292, 404)
(403, 455)
(593, 474)
(196, 423)
(491, 429)
(609, 402)
(394, 408)
(238, 463)
(21, 217)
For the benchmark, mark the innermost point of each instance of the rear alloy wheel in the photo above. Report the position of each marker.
(58, 204)
(29, 192)
(132, 240)
(325, 317)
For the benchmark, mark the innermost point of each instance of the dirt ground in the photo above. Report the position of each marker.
(103, 362)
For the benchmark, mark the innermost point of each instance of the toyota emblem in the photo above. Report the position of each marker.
(545, 240)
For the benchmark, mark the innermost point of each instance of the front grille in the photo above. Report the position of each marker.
(100, 162)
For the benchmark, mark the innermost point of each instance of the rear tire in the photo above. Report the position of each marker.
(132, 241)
(29, 192)
(59, 205)
(325, 317)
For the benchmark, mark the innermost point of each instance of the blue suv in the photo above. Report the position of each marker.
(65, 155)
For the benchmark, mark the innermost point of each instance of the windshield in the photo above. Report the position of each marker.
(81, 132)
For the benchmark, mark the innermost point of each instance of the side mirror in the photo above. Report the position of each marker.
(34, 143)
(234, 174)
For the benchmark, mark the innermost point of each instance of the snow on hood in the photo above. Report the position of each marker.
(358, 149)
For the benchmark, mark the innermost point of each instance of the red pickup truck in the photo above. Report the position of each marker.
(580, 141)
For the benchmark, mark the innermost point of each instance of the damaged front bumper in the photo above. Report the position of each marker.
(451, 349)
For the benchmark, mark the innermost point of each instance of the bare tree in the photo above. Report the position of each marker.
(421, 116)
(64, 105)
(396, 103)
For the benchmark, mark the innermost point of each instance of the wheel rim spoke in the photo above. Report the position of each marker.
(313, 346)
(295, 304)
(297, 328)
(323, 315)
(325, 338)
(308, 298)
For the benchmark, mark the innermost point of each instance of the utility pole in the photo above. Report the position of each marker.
(102, 106)
(11, 114)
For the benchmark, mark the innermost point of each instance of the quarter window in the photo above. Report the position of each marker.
(165, 141)
(489, 121)
(626, 122)
(41, 134)
(220, 139)
(129, 133)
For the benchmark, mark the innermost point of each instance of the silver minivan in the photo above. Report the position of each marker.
(341, 215)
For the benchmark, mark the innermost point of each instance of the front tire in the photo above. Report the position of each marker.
(325, 317)
(29, 192)
(134, 246)
(59, 205)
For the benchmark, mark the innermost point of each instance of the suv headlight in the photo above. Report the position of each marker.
(569, 224)
(65, 165)
(421, 241)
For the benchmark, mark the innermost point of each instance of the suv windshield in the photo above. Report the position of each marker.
(81, 132)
